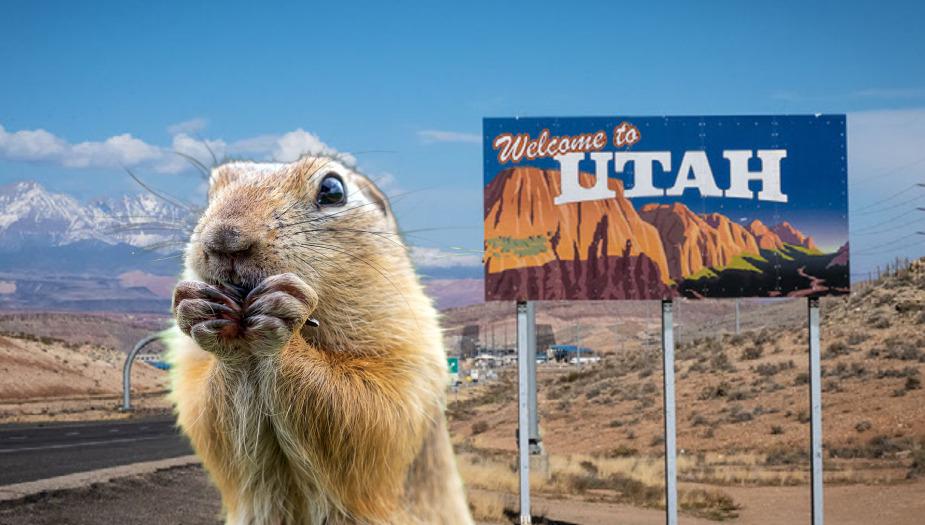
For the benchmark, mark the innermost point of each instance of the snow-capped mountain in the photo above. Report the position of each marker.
(32, 216)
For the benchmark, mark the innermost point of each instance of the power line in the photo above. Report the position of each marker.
(886, 199)
(892, 171)
(887, 230)
(864, 254)
(873, 249)
(894, 206)
(888, 221)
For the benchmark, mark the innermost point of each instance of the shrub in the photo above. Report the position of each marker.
(699, 420)
(479, 426)
(751, 353)
(863, 426)
(913, 383)
(801, 379)
(721, 362)
(879, 321)
(918, 462)
(714, 392)
(739, 415)
(908, 371)
(837, 349)
(622, 451)
(776, 430)
(785, 456)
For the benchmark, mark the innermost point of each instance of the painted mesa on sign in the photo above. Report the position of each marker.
(561, 234)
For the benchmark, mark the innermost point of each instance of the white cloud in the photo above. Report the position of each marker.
(188, 127)
(30, 145)
(290, 146)
(120, 150)
(437, 258)
(124, 150)
(41, 146)
(434, 135)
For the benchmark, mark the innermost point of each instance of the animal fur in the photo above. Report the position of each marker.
(339, 424)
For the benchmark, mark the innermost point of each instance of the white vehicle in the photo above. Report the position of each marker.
(585, 360)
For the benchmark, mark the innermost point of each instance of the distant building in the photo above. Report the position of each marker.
(571, 354)
(469, 342)
(545, 337)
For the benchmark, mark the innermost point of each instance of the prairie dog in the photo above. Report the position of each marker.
(339, 423)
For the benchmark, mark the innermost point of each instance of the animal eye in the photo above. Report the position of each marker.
(331, 191)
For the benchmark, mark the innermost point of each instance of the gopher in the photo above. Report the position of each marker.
(308, 367)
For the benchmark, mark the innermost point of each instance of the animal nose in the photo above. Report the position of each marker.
(226, 240)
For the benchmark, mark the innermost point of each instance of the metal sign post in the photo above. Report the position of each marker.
(536, 446)
(127, 369)
(524, 310)
(671, 473)
(815, 405)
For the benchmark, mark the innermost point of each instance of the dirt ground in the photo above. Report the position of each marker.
(184, 496)
(47, 379)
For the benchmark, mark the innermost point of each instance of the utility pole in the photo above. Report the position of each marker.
(578, 343)
(737, 316)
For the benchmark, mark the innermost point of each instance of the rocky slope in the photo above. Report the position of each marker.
(692, 242)
(519, 205)
(791, 235)
(764, 236)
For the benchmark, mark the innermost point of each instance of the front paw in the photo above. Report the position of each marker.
(275, 310)
(208, 315)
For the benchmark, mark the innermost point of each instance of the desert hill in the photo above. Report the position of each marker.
(742, 397)
(45, 378)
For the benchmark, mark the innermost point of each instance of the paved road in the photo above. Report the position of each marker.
(33, 452)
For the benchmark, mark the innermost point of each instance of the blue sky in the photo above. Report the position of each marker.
(87, 88)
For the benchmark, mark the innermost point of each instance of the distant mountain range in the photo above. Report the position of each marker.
(122, 254)
(30, 216)
(609, 249)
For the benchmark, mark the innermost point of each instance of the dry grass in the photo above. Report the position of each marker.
(631, 480)
(487, 506)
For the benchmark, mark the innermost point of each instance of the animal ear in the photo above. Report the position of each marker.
(375, 194)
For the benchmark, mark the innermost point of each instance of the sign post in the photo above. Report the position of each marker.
(671, 471)
(815, 404)
(536, 445)
(523, 408)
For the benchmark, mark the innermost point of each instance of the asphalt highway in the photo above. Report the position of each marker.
(33, 452)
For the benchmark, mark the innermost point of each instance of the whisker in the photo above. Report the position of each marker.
(200, 167)
(164, 197)
(364, 261)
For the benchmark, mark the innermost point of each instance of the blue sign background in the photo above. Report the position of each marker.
(813, 176)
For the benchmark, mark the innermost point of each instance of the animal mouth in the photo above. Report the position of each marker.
(233, 275)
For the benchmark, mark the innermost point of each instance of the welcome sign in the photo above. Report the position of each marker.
(661, 207)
